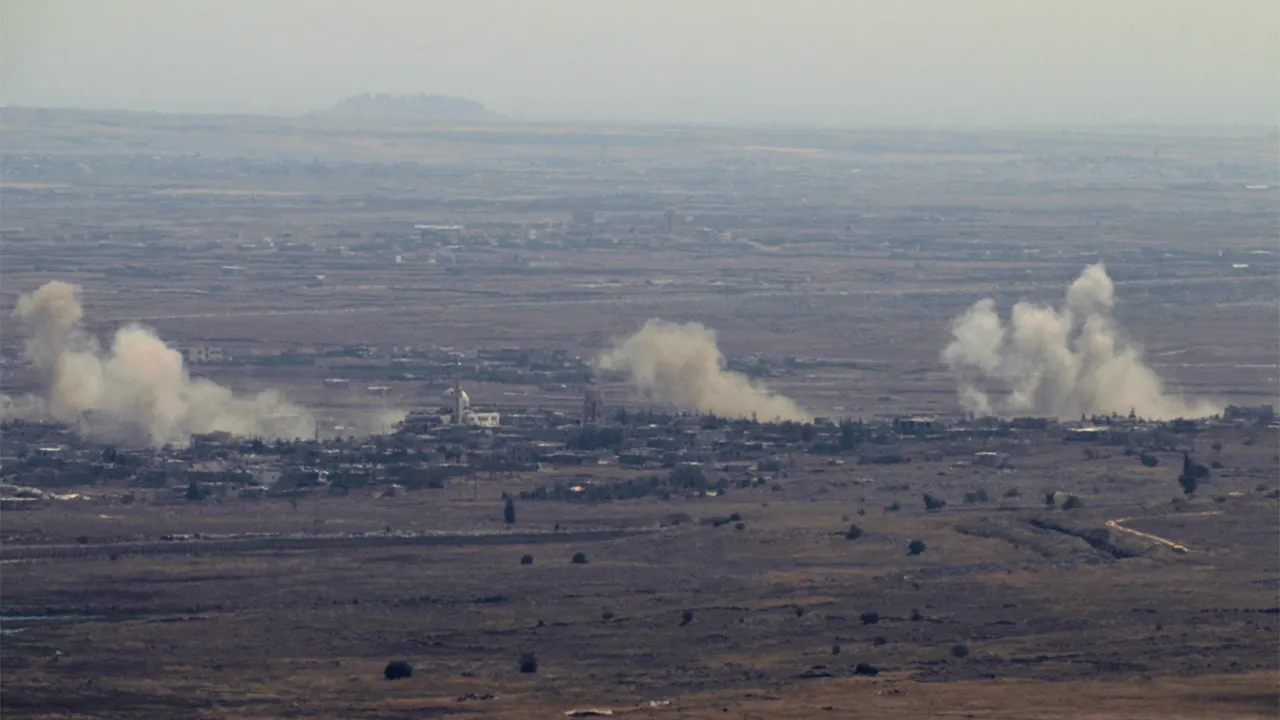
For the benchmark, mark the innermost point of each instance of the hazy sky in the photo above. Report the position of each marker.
(842, 62)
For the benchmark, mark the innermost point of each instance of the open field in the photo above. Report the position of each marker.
(287, 254)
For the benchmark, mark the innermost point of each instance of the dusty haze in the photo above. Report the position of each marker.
(841, 62)
(138, 390)
(1061, 363)
(679, 364)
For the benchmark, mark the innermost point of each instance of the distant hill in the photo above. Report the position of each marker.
(431, 108)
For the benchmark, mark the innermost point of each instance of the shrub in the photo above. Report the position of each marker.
(1149, 460)
(1260, 487)
(398, 669)
(879, 640)
(735, 517)
(959, 651)
(915, 547)
(1048, 499)
(799, 612)
(869, 618)
(1217, 447)
(895, 507)
(1012, 492)
(1189, 484)
(1072, 502)
(853, 533)
(866, 669)
(509, 512)
(606, 616)
(526, 559)
(932, 503)
(916, 615)
(528, 663)
(835, 649)
(579, 558)
(1215, 465)
(686, 617)
(740, 526)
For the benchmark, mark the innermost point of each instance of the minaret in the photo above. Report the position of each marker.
(457, 393)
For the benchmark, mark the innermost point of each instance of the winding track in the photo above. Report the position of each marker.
(1175, 546)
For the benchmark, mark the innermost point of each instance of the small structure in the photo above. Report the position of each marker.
(592, 406)
(920, 425)
(991, 459)
(1090, 433)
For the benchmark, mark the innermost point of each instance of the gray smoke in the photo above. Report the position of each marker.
(1060, 363)
(679, 364)
(138, 389)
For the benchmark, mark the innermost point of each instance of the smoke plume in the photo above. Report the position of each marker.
(1061, 363)
(138, 389)
(679, 364)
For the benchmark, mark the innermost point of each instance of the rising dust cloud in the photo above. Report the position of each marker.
(138, 390)
(1060, 363)
(679, 364)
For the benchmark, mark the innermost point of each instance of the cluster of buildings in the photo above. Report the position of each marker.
(44, 462)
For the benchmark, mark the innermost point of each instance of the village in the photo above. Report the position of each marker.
(598, 454)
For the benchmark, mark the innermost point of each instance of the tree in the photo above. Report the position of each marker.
(1188, 484)
(579, 558)
(509, 512)
(686, 617)
(528, 663)
(847, 440)
(933, 504)
(915, 547)
(194, 492)
(959, 651)
(853, 533)
(397, 670)
(526, 559)
(1192, 473)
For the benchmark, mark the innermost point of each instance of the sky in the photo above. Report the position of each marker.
(851, 63)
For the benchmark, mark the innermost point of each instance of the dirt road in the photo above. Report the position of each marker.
(1176, 547)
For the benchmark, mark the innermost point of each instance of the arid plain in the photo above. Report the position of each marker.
(287, 254)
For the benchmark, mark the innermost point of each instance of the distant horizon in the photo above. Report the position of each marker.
(825, 63)
(1156, 128)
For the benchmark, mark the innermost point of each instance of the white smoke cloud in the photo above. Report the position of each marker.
(679, 364)
(138, 389)
(1060, 363)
